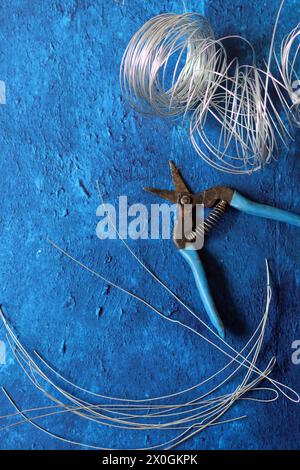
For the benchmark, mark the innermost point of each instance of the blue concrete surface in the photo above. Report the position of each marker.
(65, 124)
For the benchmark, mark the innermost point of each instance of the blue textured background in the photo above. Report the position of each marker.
(64, 125)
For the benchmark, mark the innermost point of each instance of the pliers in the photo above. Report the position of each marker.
(218, 199)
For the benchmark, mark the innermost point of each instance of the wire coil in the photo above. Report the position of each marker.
(245, 130)
(174, 65)
(169, 64)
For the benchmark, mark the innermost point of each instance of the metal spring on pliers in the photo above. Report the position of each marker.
(210, 221)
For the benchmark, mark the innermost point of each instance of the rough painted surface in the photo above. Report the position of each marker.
(64, 125)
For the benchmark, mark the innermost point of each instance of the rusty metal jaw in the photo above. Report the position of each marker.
(187, 228)
(211, 197)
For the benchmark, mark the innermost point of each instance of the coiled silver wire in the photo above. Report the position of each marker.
(245, 131)
(173, 65)
(170, 63)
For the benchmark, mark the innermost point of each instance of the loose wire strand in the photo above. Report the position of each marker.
(212, 414)
(288, 65)
(206, 416)
(247, 136)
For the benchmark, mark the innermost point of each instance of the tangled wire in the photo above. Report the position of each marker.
(174, 66)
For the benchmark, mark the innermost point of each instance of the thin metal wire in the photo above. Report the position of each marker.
(169, 63)
(245, 136)
(289, 68)
(200, 414)
(188, 417)
(173, 66)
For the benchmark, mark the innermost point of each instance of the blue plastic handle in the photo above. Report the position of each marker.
(261, 210)
(193, 259)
